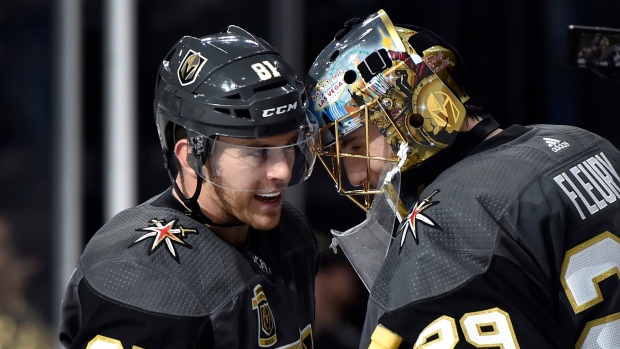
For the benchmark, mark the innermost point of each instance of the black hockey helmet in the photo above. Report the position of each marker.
(232, 84)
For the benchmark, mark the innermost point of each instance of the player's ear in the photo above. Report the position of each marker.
(181, 150)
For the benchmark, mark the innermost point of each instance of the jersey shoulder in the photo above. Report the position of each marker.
(588, 180)
(165, 252)
(498, 178)
(451, 234)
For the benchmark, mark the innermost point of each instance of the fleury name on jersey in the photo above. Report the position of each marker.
(591, 184)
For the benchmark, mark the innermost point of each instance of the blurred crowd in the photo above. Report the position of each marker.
(21, 325)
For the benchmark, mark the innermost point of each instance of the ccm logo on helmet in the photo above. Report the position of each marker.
(279, 110)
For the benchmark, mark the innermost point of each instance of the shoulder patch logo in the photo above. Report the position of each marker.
(165, 233)
(190, 67)
(266, 322)
(416, 215)
(556, 145)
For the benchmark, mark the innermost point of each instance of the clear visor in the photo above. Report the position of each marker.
(261, 165)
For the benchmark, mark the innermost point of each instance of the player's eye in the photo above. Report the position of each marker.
(352, 148)
(257, 153)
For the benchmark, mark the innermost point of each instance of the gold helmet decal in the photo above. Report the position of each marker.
(266, 323)
(190, 67)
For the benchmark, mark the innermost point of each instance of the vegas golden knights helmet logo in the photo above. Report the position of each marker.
(190, 67)
(266, 323)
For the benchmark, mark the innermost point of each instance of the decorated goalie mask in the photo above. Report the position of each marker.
(402, 79)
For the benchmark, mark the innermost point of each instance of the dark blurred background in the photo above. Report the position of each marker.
(516, 55)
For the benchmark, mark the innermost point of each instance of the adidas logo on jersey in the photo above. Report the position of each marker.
(555, 144)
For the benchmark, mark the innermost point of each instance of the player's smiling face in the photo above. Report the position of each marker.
(249, 177)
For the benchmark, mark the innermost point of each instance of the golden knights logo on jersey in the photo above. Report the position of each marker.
(266, 323)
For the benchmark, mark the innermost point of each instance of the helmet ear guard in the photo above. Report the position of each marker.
(196, 156)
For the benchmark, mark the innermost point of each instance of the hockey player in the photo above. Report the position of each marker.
(220, 259)
(509, 238)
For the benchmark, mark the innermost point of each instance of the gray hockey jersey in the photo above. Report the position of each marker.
(515, 246)
(154, 278)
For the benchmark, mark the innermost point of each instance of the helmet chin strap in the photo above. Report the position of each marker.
(192, 204)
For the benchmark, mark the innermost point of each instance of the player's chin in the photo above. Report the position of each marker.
(265, 221)
(264, 213)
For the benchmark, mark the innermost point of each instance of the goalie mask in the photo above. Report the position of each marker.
(403, 80)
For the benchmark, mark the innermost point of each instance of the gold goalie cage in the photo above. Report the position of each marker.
(331, 155)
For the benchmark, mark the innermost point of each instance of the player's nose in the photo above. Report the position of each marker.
(280, 165)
